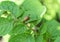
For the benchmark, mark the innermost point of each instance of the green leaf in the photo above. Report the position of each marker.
(10, 7)
(43, 29)
(22, 38)
(53, 28)
(6, 26)
(19, 29)
(39, 38)
(34, 10)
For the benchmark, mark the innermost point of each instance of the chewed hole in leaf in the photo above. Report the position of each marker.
(5, 14)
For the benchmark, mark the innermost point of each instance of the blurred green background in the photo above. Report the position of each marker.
(53, 9)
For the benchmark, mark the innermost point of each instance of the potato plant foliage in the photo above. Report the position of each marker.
(30, 21)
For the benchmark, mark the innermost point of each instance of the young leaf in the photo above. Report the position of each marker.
(43, 29)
